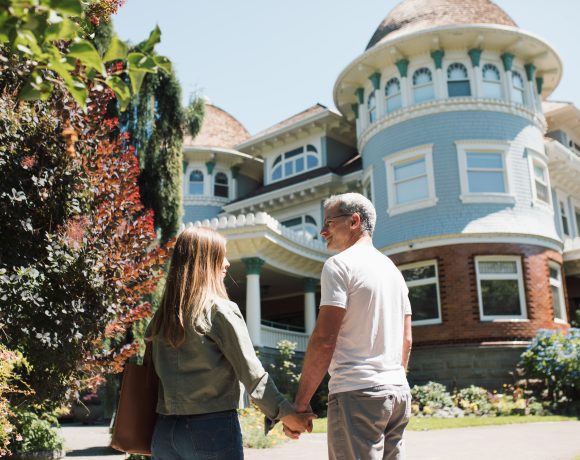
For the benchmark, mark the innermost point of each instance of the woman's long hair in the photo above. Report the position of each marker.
(194, 282)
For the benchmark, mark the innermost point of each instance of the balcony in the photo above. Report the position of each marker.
(272, 333)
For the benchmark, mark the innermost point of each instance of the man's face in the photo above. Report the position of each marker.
(337, 229)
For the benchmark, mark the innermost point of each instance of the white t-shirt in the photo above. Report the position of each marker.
(368, 350)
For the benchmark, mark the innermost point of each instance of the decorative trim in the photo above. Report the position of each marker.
(530, 71)
(253, 265)
(475, 56)
(508, 60)
(310, 284)
(539, 84)
(210, 166)
(455, 104)
(437, 56)
(403, 67)
(354, 108)
(360, 95)
(204, 200)
(376, 80)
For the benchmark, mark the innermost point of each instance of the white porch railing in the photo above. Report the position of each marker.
(272, 335)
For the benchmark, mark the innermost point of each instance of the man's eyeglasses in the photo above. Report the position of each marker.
(328, 220)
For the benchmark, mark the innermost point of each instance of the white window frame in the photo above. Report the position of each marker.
(500, 82)
(192, 166)
(305, 153)
(423, 282)
(372, 112)
(560, 286)
(498, 276)
(514, 90)
(368, 181)
(302, 226)
(399, 94)
(575, 205)
(464, 147)
(425, 151)
(535, 157)
(562, 197)
(469, 78)
(424, 85)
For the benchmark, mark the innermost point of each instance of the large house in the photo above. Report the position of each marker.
(444, 122)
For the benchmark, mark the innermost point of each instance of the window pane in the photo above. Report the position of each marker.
(557, 303)
(311, 161)
(500, 297)
(554, 274)
(293, 153)
(418, 273)
(484, 160)
(484, 181)
(497, 267)
(393, 87)
(372, 115)
(424, 93)
(422, 76)
(277, 160)
(517, 80)
(410, 169)
(309, 220)
(288, 169)
(299, 165)
(412, 190)
(221, 190)
(518, 96)
(311, 148)
(490, 72)
(456, 71)
(458, 88)
(491, 90)
(196, 176)
(221, 178)
(424, 302)
(277, 173)
(564, 217)
(196, 188)
(542, 192)
(295, 222)
(394, 103)
(540, 172)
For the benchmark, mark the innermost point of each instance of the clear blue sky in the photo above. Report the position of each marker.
(265, 60)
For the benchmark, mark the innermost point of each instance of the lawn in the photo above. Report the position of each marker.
(433, 423)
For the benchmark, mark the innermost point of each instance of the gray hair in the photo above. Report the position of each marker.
(349, 203)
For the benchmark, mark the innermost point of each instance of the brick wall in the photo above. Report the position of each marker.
(459, 300)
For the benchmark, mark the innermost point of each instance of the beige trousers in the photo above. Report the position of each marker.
(368, 424)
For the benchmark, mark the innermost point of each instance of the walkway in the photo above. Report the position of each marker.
(533, 441)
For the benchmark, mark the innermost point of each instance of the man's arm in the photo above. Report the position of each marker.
(407, 341)
(319, 354)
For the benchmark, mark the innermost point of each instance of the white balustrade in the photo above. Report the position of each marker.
(271, 336)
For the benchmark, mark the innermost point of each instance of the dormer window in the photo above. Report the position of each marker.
(196, 182)
(372, 107)
(457, 80)
(295, 162)
(491, 81)
(305, 226)
(393, 94)
(423, 85)
(221, 186)
(517, 88)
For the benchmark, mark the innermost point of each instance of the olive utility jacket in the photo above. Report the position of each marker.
(202, 374)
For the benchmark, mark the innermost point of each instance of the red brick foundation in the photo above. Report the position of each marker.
(461, 322)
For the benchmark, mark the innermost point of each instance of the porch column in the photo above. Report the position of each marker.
(309, 304)
(253, 302)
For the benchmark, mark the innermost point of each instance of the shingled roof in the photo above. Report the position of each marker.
(413, 15)
(219, 130)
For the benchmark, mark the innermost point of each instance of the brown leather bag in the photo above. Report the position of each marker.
(135, 418)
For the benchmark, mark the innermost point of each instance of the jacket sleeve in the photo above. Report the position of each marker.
(230, 333)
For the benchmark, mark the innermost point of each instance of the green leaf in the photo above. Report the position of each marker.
(85, 52)
(67, 7)
(154, 38)
(117, 50)
(136, 77)
(35, 88)
(26, 43)
(76, 88)
(63, 30)
(121, 90)
(163, 63)
(141, 62)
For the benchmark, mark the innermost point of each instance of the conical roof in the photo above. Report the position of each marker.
(414, 15)
(219, 130)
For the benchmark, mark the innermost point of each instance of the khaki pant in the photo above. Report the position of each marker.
(368, 424)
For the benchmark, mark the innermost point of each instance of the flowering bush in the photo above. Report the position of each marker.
(554, 357)
(431, 397)
(35, 434)
(474, 400)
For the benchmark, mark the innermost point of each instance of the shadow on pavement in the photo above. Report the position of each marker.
(92, 451)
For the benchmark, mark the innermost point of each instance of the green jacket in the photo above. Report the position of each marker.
(202, 374)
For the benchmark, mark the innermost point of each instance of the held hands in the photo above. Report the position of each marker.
(297, 423)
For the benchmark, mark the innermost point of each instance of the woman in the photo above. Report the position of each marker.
(201, 350)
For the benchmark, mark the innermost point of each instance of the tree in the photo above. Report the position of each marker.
(78, 252)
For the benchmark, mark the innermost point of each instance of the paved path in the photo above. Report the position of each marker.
(532, 441)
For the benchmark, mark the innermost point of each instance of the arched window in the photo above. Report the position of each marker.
(457, 80)
(491, 84)
(423, 85)
(517, 88)
(196, 182)
(221, 187)
(393, 94)
(372, 107)
(294, 162)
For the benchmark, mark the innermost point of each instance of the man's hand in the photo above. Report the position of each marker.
(295, 424)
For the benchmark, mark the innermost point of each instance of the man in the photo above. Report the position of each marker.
(362, 337)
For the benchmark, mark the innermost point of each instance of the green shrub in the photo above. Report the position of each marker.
(431, 396)
(252, 423)
(554, 358)
(474, 400)
(35, 434)
(283, 369)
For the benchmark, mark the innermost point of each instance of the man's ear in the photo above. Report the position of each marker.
(355, 219)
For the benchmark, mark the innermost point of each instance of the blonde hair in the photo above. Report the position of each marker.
(193, 284)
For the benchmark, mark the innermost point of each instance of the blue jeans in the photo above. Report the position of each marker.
(214, 436)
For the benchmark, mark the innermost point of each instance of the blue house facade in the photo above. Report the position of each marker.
(444, 123)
